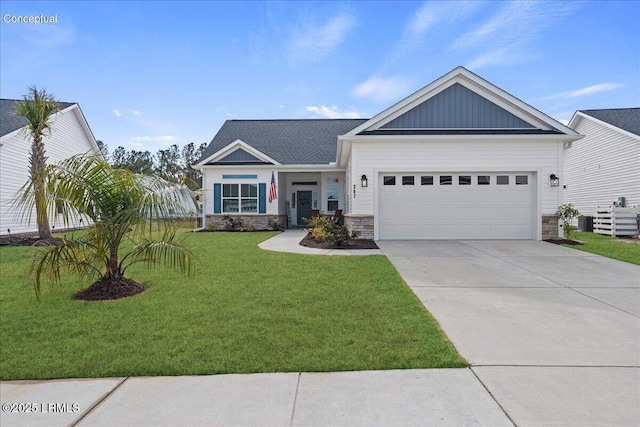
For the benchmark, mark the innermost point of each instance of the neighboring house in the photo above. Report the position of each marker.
(458, 159)
(70, 135)
(605, 165)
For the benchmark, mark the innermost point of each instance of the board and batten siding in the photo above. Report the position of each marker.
(68, 138)
(601, 167)
(456, 156)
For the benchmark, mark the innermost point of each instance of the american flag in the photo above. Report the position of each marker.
(273, 194)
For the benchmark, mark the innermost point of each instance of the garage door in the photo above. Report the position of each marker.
(456, 205)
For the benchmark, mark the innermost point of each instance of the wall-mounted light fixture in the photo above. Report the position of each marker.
(363, 181)
(554, 181)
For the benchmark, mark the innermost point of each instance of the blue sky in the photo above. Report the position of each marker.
(151, 74)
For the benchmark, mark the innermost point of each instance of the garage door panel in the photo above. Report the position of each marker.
(456, 211)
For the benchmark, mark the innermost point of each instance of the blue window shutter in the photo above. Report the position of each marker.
(262, 198)
(217, 198)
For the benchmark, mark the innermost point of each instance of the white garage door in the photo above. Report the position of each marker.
(456, 205)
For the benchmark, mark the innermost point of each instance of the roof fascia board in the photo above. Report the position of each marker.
(75, 108)
(235, 145)
(279, 168)
(580, 115)
(513, 138)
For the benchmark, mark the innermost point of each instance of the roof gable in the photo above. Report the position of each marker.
(471, 111)
(9, 122)
(625, 119)
(461, 100)
(240, 157)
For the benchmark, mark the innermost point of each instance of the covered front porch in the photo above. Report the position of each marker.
(300, 193)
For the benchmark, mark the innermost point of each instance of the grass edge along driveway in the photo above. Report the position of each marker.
(246, 310)
(607, 246)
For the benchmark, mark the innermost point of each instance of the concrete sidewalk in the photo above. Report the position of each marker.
(448, 397)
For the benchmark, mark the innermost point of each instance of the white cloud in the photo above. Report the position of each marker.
(332, 112)
(507, 37)
(585, 91)
(140, 140)
(383, 89)
(136, 112)
(311, 42)
(117, 113)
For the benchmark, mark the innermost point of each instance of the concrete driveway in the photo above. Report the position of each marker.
(553, 333)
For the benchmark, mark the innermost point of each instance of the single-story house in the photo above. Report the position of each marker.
(70, 135)
(605, 166)
(458, 159)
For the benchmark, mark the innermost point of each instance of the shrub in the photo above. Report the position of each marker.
(212, 226)
(323, 229)
(250, 228)
(274, 225)
(231, 223)
(567, 213)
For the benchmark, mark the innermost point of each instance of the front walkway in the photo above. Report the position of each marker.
(288, 241)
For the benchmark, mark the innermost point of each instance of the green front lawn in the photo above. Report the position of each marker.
(246, 310)
(608, 246)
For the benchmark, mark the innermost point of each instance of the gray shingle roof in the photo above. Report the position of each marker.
(10, 122)
(624, 118)
(290, 142)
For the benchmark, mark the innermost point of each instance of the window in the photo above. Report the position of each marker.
(333, 194)
(484, 180)
(389, 180)
(332, 180)
(249, 198)
(240, 198)
(502, 180)
(426, 180)
(230, 198)
(464, 180)
(522, 180)
(408, 180)
(446, 180)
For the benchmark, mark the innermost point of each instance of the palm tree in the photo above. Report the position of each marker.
(37, 108)
(124, 207)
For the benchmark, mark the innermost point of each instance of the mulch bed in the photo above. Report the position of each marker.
(310, 242)
(564, 242)
(110, 289)
(28, 240)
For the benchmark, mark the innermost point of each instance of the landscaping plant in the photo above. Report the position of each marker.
(567, 213)
(323, 229)
(37, 109)
(124, 207)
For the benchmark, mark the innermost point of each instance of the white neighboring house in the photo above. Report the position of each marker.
(458, 159)
(605, 165)
(70, 135)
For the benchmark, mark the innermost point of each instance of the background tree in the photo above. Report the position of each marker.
(134, 161)
(37, 108)
(190, 155)
(103, 149)
(123, 206)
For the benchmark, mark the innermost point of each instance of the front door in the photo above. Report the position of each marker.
(304, 207)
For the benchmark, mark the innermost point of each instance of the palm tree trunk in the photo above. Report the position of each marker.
(37, 168)
(114, 266)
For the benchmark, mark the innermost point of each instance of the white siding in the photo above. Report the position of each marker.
(68, 137)
(462, 156)
(601, 167)
(211, 176)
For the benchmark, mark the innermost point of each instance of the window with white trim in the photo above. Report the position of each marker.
(240, 198)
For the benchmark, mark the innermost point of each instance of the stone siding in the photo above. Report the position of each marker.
(360, 223)
(550, 227)
(258, 222)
